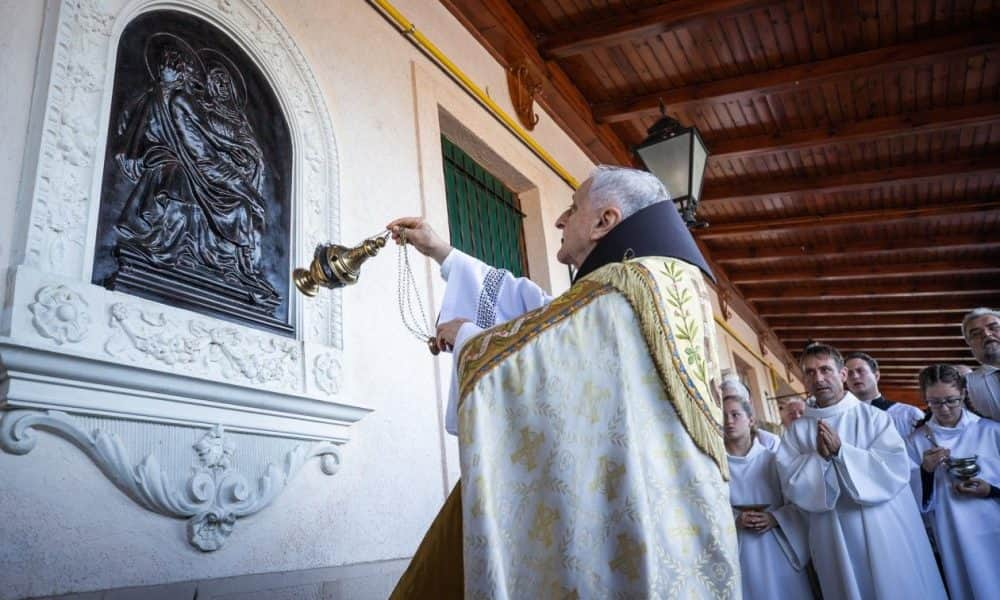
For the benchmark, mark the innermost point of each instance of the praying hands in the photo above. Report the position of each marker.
(827, 440)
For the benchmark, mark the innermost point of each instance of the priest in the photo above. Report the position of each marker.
(846, 466)
(981, 329)
(592, 459)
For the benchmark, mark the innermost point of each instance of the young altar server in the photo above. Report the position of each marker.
(846, 466)
(964, 515)
(733, 388)
(772, 540)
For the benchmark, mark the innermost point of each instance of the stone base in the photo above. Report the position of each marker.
(187, 288)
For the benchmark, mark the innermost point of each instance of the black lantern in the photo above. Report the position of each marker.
(677, 156)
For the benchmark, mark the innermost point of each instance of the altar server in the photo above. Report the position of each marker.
(964, 514)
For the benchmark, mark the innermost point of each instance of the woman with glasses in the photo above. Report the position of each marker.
(964, 513)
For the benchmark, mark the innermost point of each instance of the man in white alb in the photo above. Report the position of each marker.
(862, 380)
(845, 465)
(981, 328)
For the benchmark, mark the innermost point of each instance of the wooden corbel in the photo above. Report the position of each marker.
(523, 87)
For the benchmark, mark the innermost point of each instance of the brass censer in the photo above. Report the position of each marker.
(334, 266)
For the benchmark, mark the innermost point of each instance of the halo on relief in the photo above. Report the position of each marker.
(212, 58)
(160, 42)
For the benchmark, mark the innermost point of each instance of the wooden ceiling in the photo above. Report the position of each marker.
(853, 188)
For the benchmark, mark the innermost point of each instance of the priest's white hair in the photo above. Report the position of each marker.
(975, 313)
(630, 189)
(732, 386)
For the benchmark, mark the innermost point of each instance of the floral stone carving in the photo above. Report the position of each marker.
(212, 499)
(60, 314)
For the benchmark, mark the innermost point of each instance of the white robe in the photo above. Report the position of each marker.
(904, 417)
(486, 297)
(984, 391)
(861, 515)
(967, 529)
(771, 563)
(768, 439)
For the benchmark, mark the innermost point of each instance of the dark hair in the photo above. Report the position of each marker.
(939, 373)
(872, 363)
(818, 349)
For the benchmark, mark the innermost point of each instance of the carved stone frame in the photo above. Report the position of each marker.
(61, 333)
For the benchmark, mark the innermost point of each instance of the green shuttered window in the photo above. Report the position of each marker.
(484, 216)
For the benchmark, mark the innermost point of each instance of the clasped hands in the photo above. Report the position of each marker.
(827, 440)
(757, 521)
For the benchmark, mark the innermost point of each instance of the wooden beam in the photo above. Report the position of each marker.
(936, 357)
(916, 352)
(801, 76)
(820, 332)
(752, 252)
(961, 285)
(928, 121)
(767, 226)
(897, 320)
(745, 191)
(989, 264)
(820, 307)
(874, 346)
(511, 39)
(642, 23)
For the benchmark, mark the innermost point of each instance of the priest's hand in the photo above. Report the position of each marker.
(973, 487)
(447, 332)
(419, 235)
(827, 440)
(933, 458)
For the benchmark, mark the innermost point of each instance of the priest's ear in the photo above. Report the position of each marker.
(608, 217)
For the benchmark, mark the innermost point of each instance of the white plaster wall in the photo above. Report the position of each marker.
(20, 31)
(67, 529)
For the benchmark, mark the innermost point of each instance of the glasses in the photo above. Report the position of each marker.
(978, 335)
(949, 402)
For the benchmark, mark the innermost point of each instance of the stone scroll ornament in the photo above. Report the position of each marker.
(212, 499)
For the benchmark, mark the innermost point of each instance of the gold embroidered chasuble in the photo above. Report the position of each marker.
(591, 446)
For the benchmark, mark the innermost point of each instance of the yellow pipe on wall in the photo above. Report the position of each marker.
(408, 29)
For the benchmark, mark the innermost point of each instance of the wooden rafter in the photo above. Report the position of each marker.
(640, 24)
(882, 345)
(799, 76)
(751, 252)
(979, 266)
(874, 329)
(874, 306)
(959, 285)
(901, 320)
(744, 191)
(835, 217)
(928, 121)
(560, 97)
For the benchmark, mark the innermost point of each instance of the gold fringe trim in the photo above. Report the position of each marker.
(633, 281)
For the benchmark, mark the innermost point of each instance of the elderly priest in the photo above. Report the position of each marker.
(846, 466)
(593, 464)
